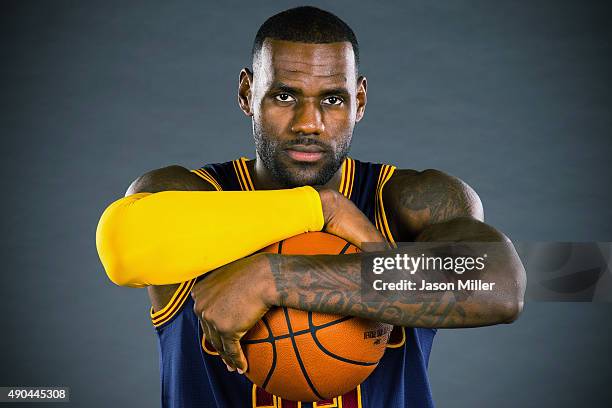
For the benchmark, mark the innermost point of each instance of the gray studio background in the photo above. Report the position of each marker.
(512, 97)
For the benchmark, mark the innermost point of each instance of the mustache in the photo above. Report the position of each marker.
(306, 141)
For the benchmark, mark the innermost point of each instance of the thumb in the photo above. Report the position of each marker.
(233, 350)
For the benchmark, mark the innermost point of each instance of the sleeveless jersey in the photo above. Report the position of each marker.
(192, 374)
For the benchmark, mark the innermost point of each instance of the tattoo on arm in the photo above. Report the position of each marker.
(441, 201)
(418, 200)
(332, 284)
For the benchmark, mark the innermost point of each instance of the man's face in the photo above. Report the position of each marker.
(305, 100)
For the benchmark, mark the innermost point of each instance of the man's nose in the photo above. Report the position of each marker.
(308, 119)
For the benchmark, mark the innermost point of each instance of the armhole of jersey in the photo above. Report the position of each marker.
(386, 171)
(175, 304)
(181, 294)
(206, 176)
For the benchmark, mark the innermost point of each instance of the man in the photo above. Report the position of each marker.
(304, 96)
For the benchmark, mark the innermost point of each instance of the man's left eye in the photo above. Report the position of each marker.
(332, 100)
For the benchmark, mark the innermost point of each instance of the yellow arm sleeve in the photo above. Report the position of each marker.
(173, 236)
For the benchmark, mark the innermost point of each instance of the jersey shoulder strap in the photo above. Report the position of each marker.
(229, 176)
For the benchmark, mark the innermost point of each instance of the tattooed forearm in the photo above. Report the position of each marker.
(333, 284)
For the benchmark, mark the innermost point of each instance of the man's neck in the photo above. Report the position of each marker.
(263, 180)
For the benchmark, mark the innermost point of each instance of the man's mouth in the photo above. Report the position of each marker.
(305, 153)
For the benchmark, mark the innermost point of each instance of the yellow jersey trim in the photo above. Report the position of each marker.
(348, 177)
(382, 225)
(342, 177)
(336, 402)
(381, 219)
(242, 174)
(243, 165)
(246, 181)
(239, 176)
(212, 352)
(176, 302)
(275, 400)
(206, 176)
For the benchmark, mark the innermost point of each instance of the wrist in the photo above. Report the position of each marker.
(269, 269)
(329, 203)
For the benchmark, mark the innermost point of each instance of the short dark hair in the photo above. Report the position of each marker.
(308, 25)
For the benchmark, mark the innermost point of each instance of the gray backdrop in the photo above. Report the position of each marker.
(513, 97)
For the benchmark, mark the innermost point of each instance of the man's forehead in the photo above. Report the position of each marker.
(280, 59)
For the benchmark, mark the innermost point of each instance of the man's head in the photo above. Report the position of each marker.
(304, 94)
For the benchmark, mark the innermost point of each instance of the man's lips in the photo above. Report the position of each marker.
(304, 153)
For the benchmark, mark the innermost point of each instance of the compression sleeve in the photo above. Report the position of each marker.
(173, 236)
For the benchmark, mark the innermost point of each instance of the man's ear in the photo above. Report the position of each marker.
(362, 97)
(244, 91)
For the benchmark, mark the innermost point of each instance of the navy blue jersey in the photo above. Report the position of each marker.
(192, 374)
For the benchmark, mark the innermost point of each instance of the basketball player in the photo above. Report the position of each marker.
(304, 96)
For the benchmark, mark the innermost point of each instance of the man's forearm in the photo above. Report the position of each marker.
(333, 284)
(171, 237)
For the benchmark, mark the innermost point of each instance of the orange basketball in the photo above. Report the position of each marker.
(309, 356)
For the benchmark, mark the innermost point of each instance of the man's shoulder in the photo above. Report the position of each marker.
(173, 177)
(420, 198)
(429, 182)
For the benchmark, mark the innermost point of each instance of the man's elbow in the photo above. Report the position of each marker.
(512, 298)
(110, 251)
(119, 273)
(508, 311)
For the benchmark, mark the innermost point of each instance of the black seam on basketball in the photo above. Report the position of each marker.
(280, 337)
(273, 366)
(348, 244)
(313, 332)
(280, 247)
(297, 355)
(333, 322)
(297, 333)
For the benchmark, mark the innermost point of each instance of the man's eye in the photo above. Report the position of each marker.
(332, 100)
(284, 97)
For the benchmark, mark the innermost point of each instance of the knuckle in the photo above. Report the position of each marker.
(223, 329)
(196, 309)
(207, 315)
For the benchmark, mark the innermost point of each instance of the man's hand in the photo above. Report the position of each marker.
(229, 301)
(344, 219)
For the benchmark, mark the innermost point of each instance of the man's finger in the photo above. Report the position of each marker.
(207, 335)
(233, 351)
(215, 340)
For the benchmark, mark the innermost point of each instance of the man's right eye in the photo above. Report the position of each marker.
(284, 97)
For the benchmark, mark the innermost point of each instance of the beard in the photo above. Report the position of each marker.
(290, 174)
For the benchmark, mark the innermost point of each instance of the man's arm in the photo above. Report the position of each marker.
(171, 178)
(177, 178)
(427, 206)
(431, 208)
(173, 236)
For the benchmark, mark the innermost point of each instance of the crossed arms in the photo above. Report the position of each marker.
(427, 206)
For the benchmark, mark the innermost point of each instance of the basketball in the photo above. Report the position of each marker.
(309, 356)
